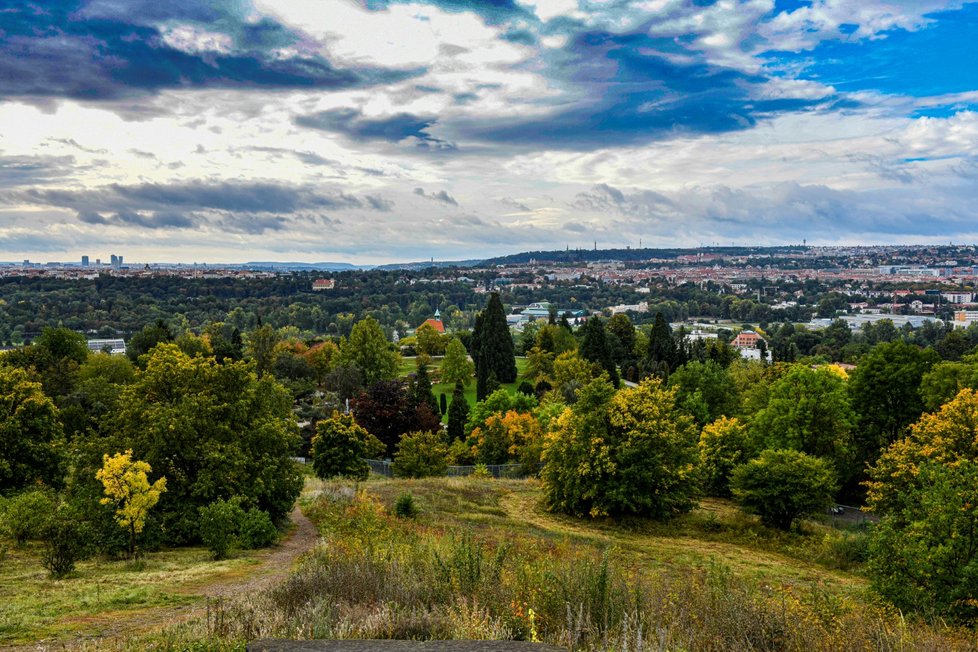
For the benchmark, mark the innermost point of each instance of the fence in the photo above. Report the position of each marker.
(383, 467)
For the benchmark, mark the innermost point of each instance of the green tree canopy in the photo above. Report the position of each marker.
(30, 433)
(724, 445)
(705, 390)
(625, 453)
(808, 410)
(456, 366)
(340, 447)
(885, 395)
(367, 349)
(214, 430)
(782, 485)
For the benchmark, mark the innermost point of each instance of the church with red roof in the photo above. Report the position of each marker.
(435, 323)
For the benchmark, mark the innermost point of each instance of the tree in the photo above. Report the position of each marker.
(625, 453)
(724, 445)
(260, 348)
(808, 410)
(624, 331)
(320, 358)
(782, 485)
(496, 352)
(387, 411)
(923, 554)
(214, 430)
(885, 395)
(456, 366)
(705, 390)
(945, 379)
(662, 354)
(341, 446)
(421, 393)
(419, 455)
(30, 432)
(368, 349)
(594, 347)
(145, 340)
(128, 488)
(458, 414)
(430, 341)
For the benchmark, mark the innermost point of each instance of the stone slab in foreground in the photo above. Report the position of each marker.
(279, 645)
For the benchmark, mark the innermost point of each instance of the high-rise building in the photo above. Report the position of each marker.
(114, 260)
(84, 261)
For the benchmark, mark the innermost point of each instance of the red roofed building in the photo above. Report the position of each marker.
(746, 340)
(435, 323)
(323, 284)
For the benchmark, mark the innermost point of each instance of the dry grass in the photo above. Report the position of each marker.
(484, 561)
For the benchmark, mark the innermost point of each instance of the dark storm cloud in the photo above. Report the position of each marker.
(112, 50)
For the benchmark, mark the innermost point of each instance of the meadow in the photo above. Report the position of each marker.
(482, 559)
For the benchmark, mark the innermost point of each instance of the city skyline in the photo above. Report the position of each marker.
(388, 131)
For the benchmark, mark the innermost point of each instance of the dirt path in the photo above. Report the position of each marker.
(116, 627)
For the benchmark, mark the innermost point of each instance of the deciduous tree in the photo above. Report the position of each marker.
(127, 487)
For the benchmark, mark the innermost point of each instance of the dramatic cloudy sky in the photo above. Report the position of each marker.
(379, 130)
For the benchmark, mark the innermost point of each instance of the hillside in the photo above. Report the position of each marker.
(482, 559)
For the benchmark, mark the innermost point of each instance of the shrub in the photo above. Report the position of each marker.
(257, 529)
(66, 540)
(419, 455)
(219, 526)
(481, 471)
(340, 446)
(405, 506)
(782, 485)
(25, 515)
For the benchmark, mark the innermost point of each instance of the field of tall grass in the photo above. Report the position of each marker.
(482, 560)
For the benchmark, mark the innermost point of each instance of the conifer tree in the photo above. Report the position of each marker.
(458, 414)
(594, 347)
(422, 394)
(496, 352)
(661, 359)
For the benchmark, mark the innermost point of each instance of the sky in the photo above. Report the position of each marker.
(377, 131)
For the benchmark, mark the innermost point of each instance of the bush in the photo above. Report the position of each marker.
(219, 526)
(405, 507)
(782, 485)
(66, 540)
(419, 455)
(340, 446)
(25, 515)
(257, 529)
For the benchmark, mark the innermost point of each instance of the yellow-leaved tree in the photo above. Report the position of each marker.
(128, 488)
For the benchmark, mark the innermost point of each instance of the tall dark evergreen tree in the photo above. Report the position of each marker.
(496, 352)
(594, 347)
(458, 414)
(421, 389)
(661, 359)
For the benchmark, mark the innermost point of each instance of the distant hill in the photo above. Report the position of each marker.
(594, 255)
(302, 267)
(428, 264)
